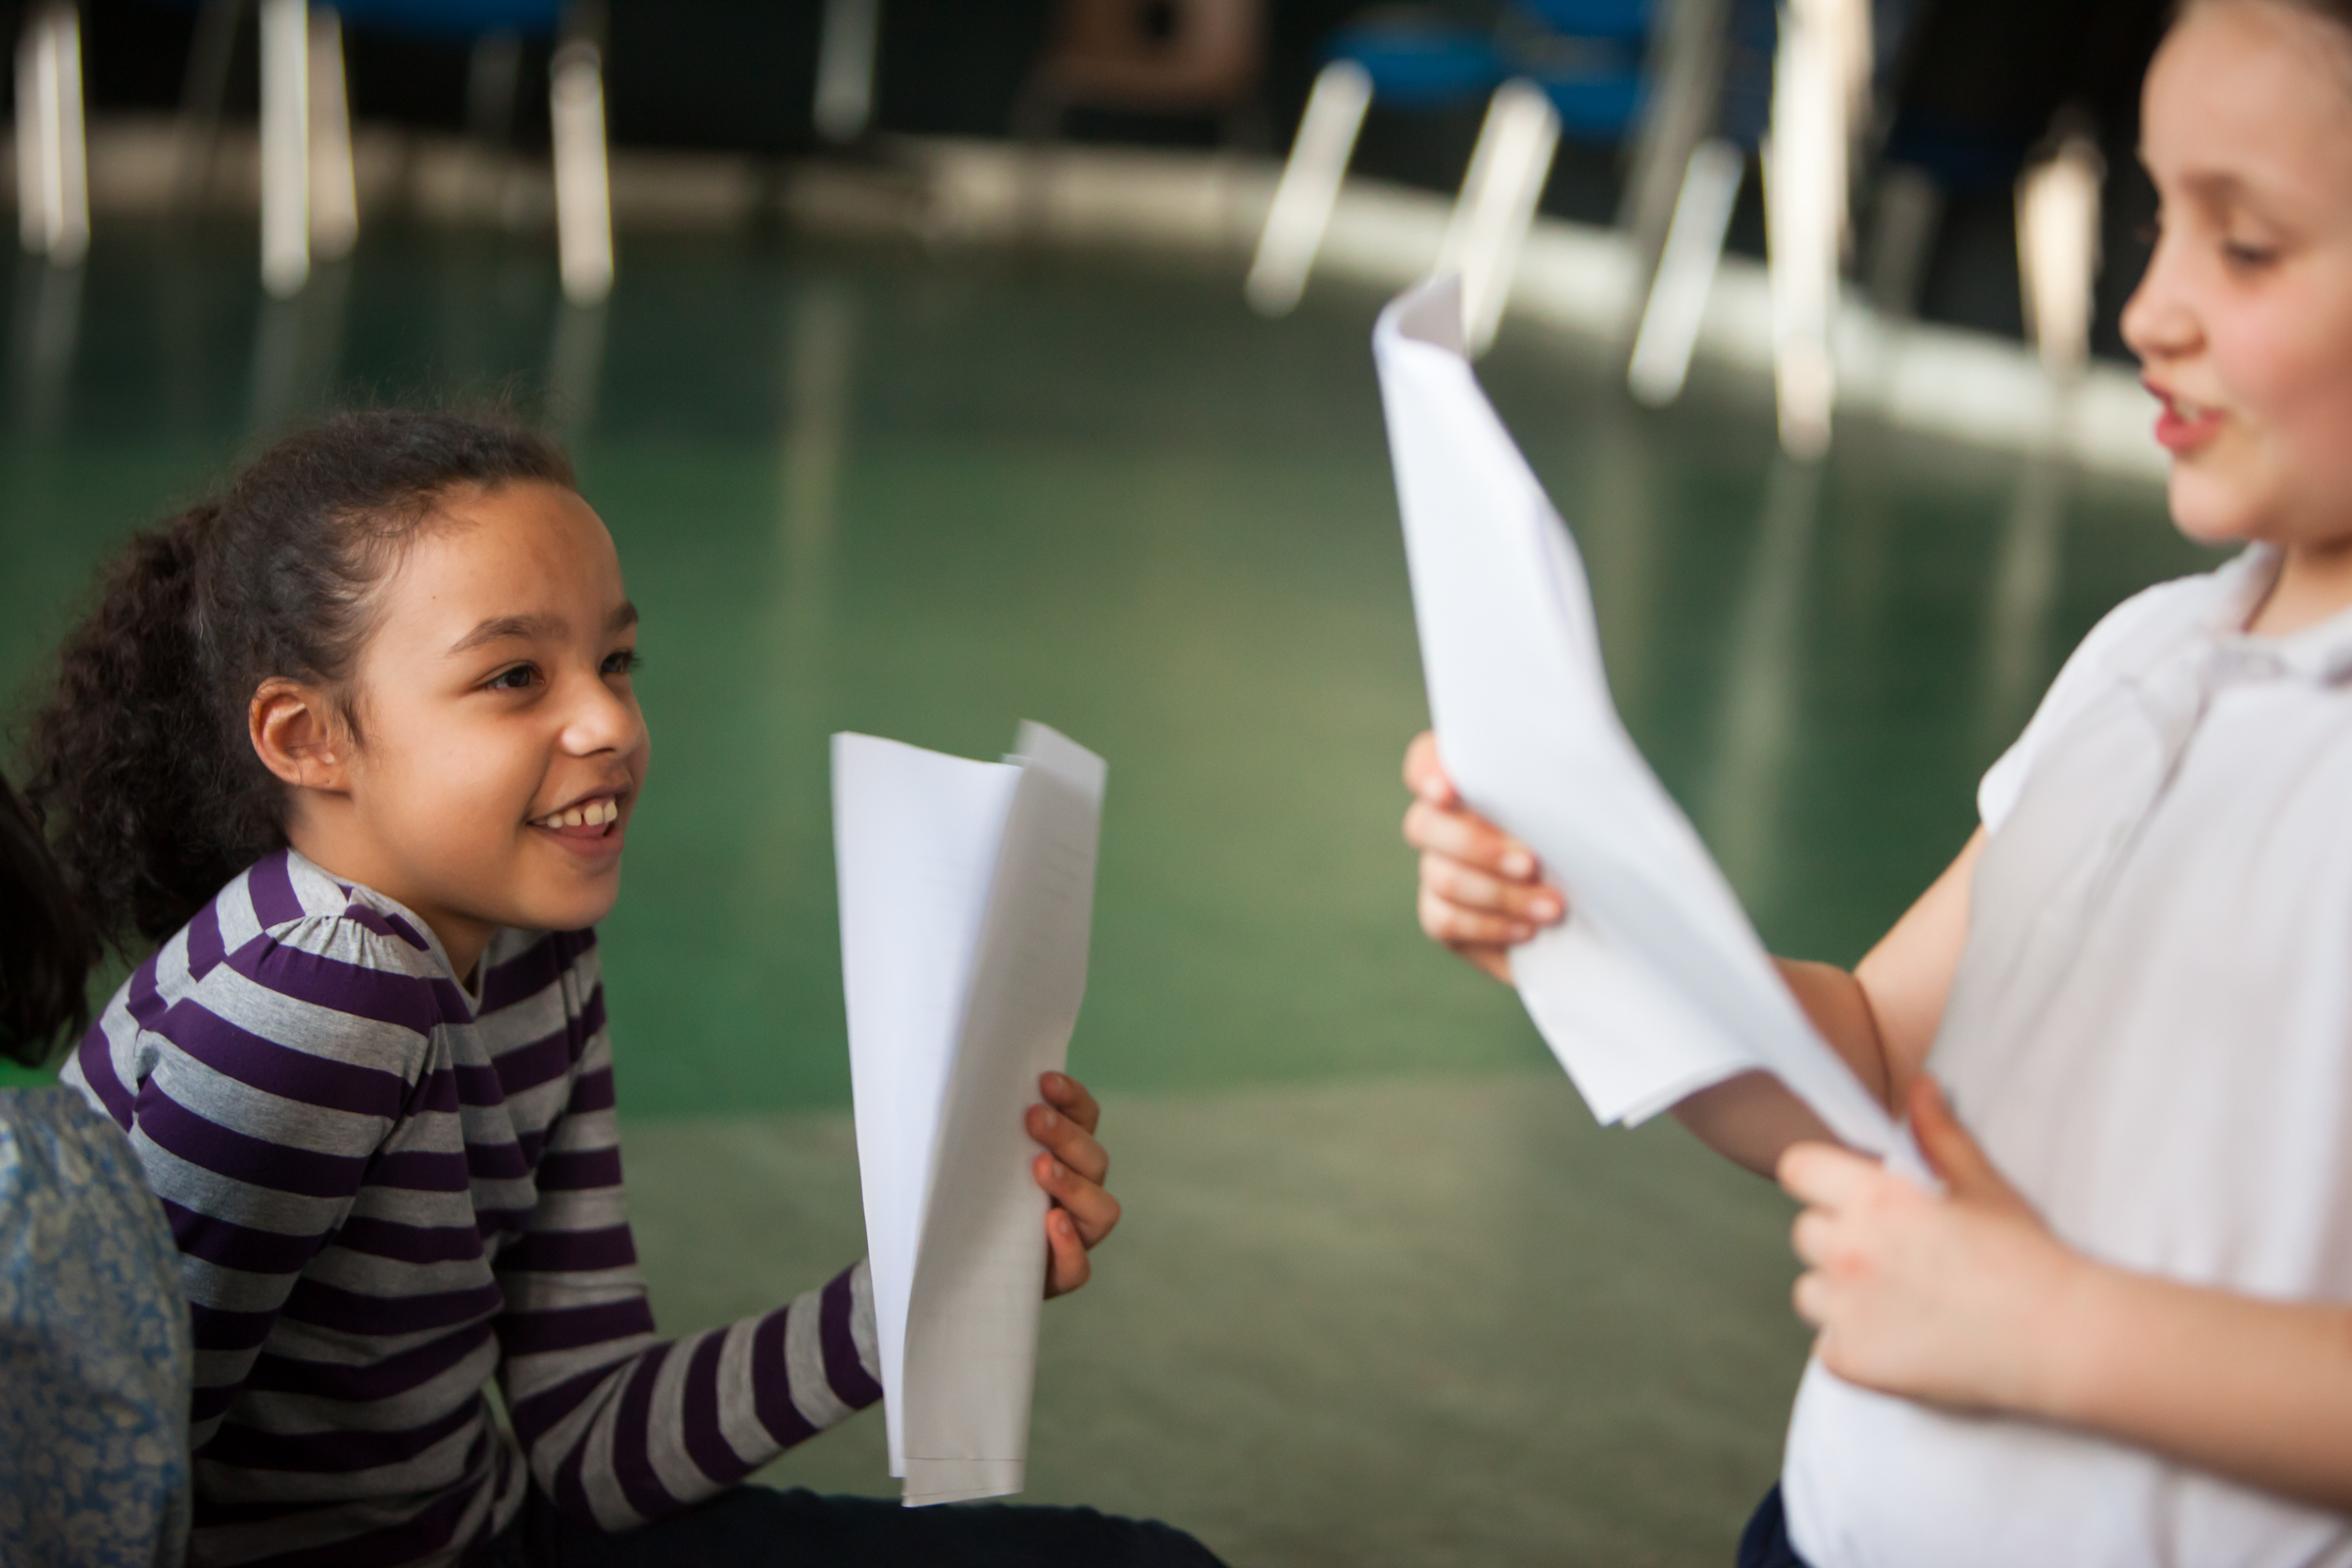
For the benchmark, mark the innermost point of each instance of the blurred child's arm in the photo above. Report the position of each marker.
(1966, 1300)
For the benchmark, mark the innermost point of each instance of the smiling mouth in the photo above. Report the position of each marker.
(2182, 425)
(590, 816)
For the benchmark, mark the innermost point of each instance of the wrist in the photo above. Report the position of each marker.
(2071, 1341)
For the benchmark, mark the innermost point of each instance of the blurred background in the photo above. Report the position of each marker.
(939, 364)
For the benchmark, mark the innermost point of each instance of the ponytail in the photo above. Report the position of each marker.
(143, 770)
(150, 810)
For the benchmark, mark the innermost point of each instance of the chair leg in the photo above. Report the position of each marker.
(2058, 251)
(1686, 273)
(1904, 218)
(1309, 187)
(1497, 202)
(1804, 212)
(52, 175)
(583, 181)
(334, 182)
(286, 146)
(493, 80)
(1686, 82)
(203, 93)
(845, 68)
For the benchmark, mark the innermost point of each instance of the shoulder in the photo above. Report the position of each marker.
(287, 970)
(311, 940)
(2128, 639)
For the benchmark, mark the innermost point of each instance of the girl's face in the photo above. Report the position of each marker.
(2244, 323)
(501, 747)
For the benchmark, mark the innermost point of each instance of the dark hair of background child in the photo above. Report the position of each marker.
(142, 768)
(46, 948)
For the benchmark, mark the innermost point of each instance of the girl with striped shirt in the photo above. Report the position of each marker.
(354, 744)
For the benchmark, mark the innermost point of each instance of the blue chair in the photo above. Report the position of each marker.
(1549, 68)
(309, 198)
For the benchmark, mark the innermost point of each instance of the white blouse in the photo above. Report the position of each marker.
(2151, 1033)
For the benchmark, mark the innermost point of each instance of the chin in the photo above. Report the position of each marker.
(2211, 512)
(569, 912)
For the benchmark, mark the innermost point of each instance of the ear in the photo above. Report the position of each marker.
(297, 735)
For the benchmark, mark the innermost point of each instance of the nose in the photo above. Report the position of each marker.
(602, 720)
(2160, 320)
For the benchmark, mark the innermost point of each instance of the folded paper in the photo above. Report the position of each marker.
(966, 897)
(1656, 986)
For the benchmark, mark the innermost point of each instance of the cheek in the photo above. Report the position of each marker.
(464, 789)
(2288, 369)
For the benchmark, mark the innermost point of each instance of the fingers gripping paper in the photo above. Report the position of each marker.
(1656, 987)
(966, 895)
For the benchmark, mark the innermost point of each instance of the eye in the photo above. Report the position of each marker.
(513, 678)
(621, 661)
(2247, 258)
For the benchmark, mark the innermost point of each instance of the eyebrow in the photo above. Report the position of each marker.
(536, 628)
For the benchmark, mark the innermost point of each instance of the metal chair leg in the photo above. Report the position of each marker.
(583, 181)
(1904, 216)
(1309, 187)
(286, 146)
(335, 180)
(845, 68)
(1688, 70)
(203, 89)
(1805, 209)
(2058, 251)
(1686, 274)
(1497, 202)
(52, 173)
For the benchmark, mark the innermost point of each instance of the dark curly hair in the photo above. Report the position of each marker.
(46, 948)
(143, 771)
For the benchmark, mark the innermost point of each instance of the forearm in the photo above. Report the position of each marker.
(1840, 1009)
(1749, 1119)
(669, 1424)
(2257, 1391)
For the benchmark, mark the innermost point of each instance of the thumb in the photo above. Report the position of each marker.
(1956, 1157)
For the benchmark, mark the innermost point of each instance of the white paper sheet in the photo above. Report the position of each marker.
(966, 898)
(1657, 986)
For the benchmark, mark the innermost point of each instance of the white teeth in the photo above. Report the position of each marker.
(596, 814)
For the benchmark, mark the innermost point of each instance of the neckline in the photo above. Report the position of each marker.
(385, 904)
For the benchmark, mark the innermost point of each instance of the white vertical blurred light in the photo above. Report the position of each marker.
(285, 27)
(1309, 187)
(335, 180)
(583, 189)
(2058, 251)
(1813, 102)
(1686, 266)
(1497, 202)
(52, 175)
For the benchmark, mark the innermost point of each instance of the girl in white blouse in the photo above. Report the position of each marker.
(2123, 1333)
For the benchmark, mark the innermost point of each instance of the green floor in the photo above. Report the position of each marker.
(1385, 1295)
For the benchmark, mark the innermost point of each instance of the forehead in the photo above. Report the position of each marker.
(521, 549)
(2253, 99)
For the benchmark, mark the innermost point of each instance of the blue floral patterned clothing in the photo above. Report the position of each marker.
(94, 1346)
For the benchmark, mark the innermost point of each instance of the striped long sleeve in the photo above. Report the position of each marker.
(385, 1193)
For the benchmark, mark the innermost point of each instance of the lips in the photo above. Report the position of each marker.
(590, 825)
(2183, 426)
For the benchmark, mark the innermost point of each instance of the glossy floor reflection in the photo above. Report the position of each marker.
(1378, 1266)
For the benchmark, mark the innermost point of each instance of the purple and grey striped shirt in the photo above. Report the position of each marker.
(387, 1191)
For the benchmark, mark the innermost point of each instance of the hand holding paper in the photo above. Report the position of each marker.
(1656, 987)
(966, 894)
